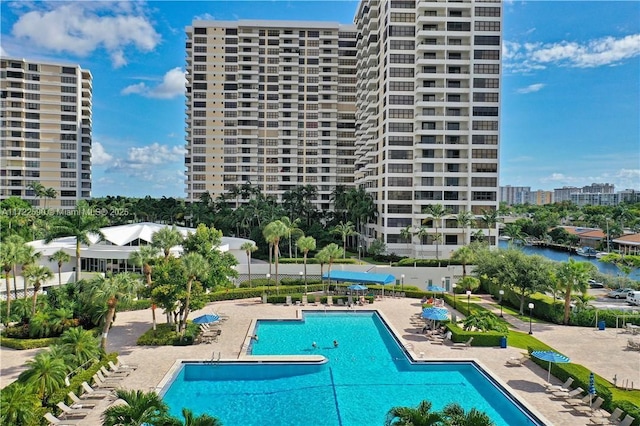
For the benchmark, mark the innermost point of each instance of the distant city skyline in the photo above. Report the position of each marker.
(570, 92)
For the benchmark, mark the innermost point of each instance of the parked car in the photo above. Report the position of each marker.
(595, 284)
(620, 293)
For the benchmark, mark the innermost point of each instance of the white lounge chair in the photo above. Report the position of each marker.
(329, 300)
(463, 345)
(79, 403)
(288, 302)
(563, 387)
(589, 410)
(53, 420)
(516, 362)
(113, 374)
(611, 420)
(627, 420)
(123, 366)
(103, 384)
(567, 395)
(70, 412)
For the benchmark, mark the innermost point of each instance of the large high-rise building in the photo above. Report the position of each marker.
(46, 131)
(271, 103)
(514, 194)
(427, 120)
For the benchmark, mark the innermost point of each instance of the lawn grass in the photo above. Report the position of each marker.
(514, 312)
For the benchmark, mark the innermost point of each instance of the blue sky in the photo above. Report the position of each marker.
(570, 92)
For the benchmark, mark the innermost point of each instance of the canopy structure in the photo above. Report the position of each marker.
(359, 277)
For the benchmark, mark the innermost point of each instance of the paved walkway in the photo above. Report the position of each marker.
(603, 351)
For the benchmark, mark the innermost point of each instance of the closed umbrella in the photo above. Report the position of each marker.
(206, 319)
(592, 387)
(550, 356)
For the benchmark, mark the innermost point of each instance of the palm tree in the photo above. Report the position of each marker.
(195, 267)
(456, 416)
(273, 232)
(333, 252)
(322, 257)
(8, 258)
(490, 217)
(79, 226)
(166, 238)
(406, 234)
(144, 258)
(49, 193)
(37, 188)
(422, 233)
(408, 416)
(292, 230)
(19, 405)
(437, 212)
(109, 292)
(249, 247)
(306, 244)
(344, 230)
(465, 255)
(81, 343)
(464, 219)
(27, 256)
(191, 420)
(45, 373)
(575, 277)
(139, 408)
(60, 257)
(37, 275)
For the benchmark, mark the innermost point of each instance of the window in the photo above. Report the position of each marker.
(400, 168)
(401, 59)
(484, 139)
(486, 83)
(488, 11)
(401, 31)
(485, 111)
(485, 125)
(486, 69)
(400, 100)
(401, 45)
(401, 127)
(68, 70)
(487, 26)
(486, 54)
(400, 155)
(400, 72)
(486, 40)
(484, 153)
(458, 26)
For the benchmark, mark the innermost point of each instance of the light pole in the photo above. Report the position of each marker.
(468, 300)
(305, 281)
(453, 288)
(501, 292)
(530, 309)
(359, 251)
(402, 282)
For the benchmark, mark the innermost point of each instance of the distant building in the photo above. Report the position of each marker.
(540, 197)
(514, 194)
(595, 199)
(564, 193)
(598, 188)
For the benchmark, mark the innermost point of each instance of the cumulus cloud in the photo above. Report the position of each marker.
(82, 27)
(156, 154)
(3, 52)
(204, 17)
(622, 179)
(607, 51)
(172, 85)
(98, 155)
(531, 88)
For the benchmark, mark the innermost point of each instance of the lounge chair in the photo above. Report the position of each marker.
(565, 387)
(71, 412)
(611, 420)
(589, 410)
(577, 402)
(329, 300)
(627, 420)
(567, 395)
(90, 392)
(516, 362)
(124, 366)
(120, 367)
(79, 403)
(463, 345)
(114, 374)
(108, 379)
(288, 302)
(340, 302)
(103, 384)
(305, 300)
(53, 420)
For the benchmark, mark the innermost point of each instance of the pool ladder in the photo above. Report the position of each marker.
(213, 358)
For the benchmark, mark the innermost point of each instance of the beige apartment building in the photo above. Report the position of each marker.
(427, 119)
(271, 103)
(46, 131)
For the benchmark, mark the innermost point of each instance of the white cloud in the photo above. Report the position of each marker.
(3, 52)
(98, 155)
(156, 154)
(531, 88)
(81, 27)
(204, 17)
(622, 179)
(594, 53)
(172, 85)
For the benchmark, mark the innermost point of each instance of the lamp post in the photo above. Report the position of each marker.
(305, 281)
(402, 282)
(530, 309)
(501, 292)
(468, 300)
(359, 251)
(453, 287)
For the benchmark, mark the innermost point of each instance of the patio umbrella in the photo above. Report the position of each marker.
(435, 314)
(592, 387)
(436, 289)
(206, 319)
(550, 356)
(357, 287)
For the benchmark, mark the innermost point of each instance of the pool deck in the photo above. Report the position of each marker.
(602, 350)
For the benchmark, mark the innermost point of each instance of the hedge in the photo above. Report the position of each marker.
(314, 261)
(488, 338)
(135, 305)
(311, 298)
(21, 344)
(247, 293)
(431, 263)
(166, 335)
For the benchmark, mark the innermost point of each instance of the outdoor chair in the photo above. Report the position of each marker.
(53, 420)
(124, 366)
(121, 367)
(589, 410)
(463, 345)
(516, 362)
(563, 387)
(577, 402)
(633, 345)
(305, 300)
(627, 420)
(103, 384)
(567, 395)
(90, 392)
(340, 302)
(70, 412)
(79, 403)
(113, 374)
(611, 420)
(288, 301)
(329, 300)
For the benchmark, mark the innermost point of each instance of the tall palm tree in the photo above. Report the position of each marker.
(139, 408)
(490, 217)
(292, 230)
(79, 226)
(27, 256)
(8, 258)
(49, 193)
(306, 244)
(144, 258)
(575, 277)
(464, 219)
(249, 247)
(422, 233)
(419, 416)
(81, 343)
(189, 420)
(437, 212)
(465, 255)
(333, 252)
(165, 238)
(456, 416)
(37, 275)
(406, 234)
(60, 257)
(344, 230)
(109, 292)
(37, 188)
(19, 405)
(273, 232)
(323, 258)
(195, 267)
(45, 373)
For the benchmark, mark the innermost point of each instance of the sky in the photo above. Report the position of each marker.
(570, 94)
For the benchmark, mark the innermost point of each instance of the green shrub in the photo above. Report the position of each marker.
(489, 338)
(630, 408)
(166, 335)
(21, 344)
(314, 261)
(430, 263)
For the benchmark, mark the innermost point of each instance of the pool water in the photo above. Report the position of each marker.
(366, 375)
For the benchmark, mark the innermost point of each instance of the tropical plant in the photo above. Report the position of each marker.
(273, 232)
(37, 275)
(292, 231)
(575, 277)
(59, 257)
(249, 247)
(465, 255)
(323, 258)
(422, 234)
(333, 252)
(165, 239)
(437, 212)
(306, 244)
(195, 267)
(419, 416)
(464, 219)
(19, 405)
(490, 218)
(457, 416)
(483, 321)
(80, 343)
(45, 373)
(144, 258)
(79, 226)
(345, 230)
(138, 408)
(27, 256)
(8, 258)
(407, 234)
(190, 420)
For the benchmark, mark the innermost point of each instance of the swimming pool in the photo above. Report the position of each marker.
(365, 375)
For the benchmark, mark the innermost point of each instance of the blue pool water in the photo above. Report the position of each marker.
(366, 375)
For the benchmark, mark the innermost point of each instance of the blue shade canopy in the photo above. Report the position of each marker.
(206, 319)
(360, 277)
(357, 287)
(550, 356)
(436, 288)
(436, 314)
